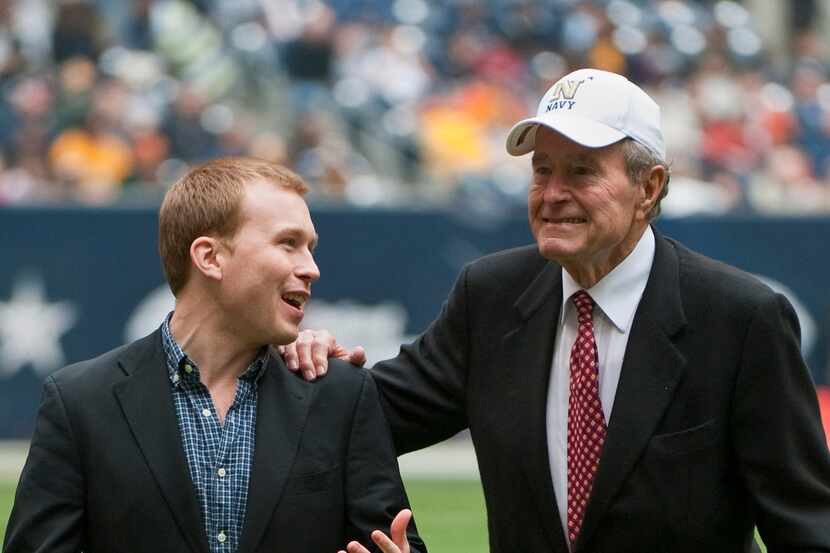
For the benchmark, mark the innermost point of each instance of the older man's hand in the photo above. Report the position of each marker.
(310, 353)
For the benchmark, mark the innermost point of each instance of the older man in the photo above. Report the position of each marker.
(196, 438)
(623, 393)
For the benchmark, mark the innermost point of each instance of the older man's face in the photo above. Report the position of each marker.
(584, 211)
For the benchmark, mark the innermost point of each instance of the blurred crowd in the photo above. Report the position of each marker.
(396, 103)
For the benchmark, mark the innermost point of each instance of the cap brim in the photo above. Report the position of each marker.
(522, 137)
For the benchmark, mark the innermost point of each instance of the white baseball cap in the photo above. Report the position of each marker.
(593, 108)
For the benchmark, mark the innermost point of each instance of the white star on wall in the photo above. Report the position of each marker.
(31, 328)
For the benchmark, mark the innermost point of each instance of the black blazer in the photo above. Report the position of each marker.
(715, 426)
(107, 473)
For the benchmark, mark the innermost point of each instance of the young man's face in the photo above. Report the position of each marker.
(268, 266)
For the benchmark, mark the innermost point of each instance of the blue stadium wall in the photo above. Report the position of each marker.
(77, 282)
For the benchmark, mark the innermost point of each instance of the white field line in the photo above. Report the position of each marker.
(453, 459)
(12, 456)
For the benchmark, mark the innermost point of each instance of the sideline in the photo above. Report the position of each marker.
(12, 456)
(452, 459)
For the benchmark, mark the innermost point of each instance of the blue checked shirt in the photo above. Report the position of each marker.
(219, 456)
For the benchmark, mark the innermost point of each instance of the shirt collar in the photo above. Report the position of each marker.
(618, 293)
(176, 358)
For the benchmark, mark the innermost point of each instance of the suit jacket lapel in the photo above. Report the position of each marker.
(282, 408)
(528, 350)
(147, 404)
(651, 371)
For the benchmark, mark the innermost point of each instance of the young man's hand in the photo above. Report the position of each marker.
(396, 544)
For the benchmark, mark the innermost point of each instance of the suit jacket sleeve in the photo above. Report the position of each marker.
(48, 512)
(424, 389)
(374, 490)
(778, 435)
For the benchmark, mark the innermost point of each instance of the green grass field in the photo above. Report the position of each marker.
(450, 513)
(6, 497)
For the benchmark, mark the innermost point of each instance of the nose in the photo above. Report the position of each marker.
(307, 268)
(555, 189)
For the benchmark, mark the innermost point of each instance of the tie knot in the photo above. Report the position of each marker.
(584, 306)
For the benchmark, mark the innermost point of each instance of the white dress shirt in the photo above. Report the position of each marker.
(616, 297)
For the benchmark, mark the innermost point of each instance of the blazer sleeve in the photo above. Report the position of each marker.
(424, 389)
(374, 490)
(778, 435)
(48, 511)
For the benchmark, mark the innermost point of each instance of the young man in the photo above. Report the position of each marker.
(196, 438)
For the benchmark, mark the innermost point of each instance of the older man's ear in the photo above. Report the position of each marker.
(652, 188)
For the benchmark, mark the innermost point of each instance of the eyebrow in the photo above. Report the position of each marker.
(584, 158)
(294, 230)
(587, 159)
(538, 158)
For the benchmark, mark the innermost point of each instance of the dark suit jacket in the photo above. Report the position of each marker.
(107, 473)
(715, 426)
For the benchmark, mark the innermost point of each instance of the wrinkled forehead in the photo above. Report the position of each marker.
(570, 157)
(551, 145)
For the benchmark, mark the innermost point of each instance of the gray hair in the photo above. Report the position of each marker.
(639, 161)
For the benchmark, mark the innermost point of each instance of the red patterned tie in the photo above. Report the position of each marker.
(586, 424)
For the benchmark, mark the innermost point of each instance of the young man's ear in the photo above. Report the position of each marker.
(206, 256)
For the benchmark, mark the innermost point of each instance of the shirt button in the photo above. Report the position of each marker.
(221, 472)
(206, 412)
(188, 368)
(222, 537)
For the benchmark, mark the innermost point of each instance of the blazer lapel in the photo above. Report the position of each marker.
(148, 407)
(528, 349)
(651, 371)
(282, 407)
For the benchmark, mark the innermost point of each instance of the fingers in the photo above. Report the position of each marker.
(386, 545)
(397, 544)
(310, 353)
(357, 356)
(322, 347)
(304, 360)
(355, 547)
(289, 355)
(398, 529)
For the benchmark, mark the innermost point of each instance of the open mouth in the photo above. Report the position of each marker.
(297, 301)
